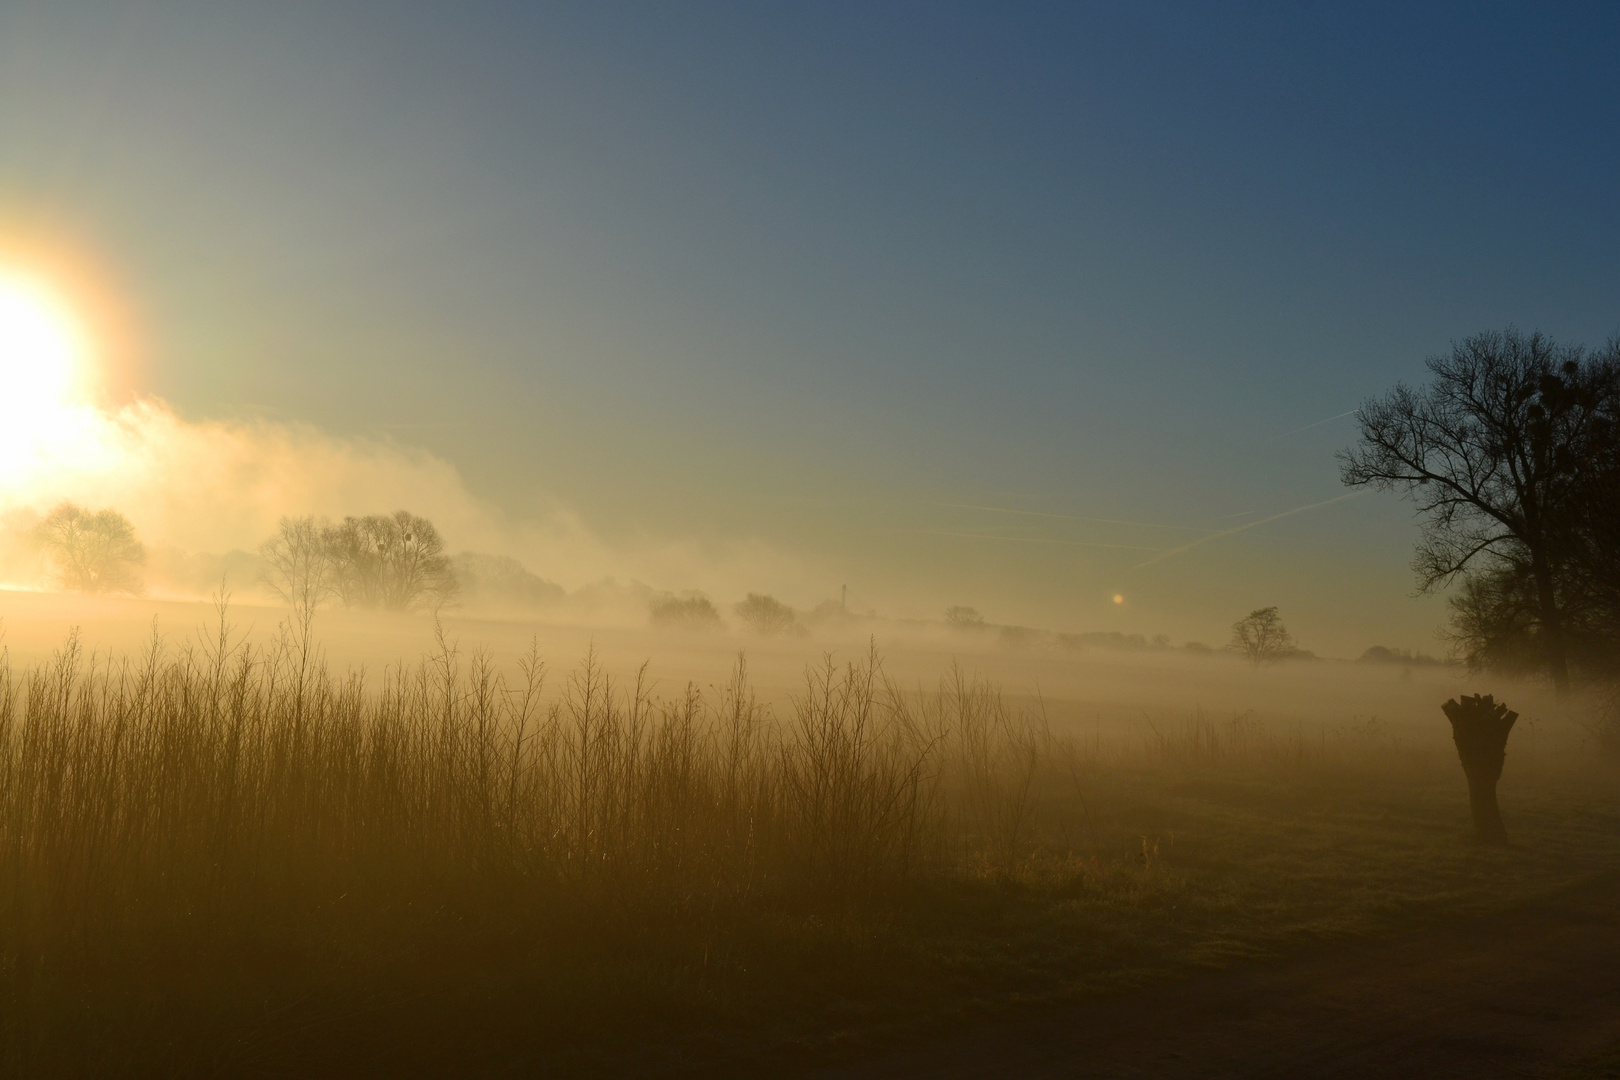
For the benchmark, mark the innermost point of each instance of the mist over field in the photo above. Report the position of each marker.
(889, 540)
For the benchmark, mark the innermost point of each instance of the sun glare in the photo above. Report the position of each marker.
(41, 346)
(43, 353)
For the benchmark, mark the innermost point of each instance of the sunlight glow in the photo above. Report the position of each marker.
(41, 345)
(43, 357)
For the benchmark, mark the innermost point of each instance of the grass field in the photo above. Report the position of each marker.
(225, 857)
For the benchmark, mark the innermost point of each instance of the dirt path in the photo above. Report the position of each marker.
(1520, 994)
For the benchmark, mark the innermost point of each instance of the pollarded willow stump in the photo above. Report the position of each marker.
(1480, 727)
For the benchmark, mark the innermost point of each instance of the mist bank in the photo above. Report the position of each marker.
(204, 495)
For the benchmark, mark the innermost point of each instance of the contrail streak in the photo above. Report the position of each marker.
(1028, 539)
(1075, 517)
(1244, 528)
(1308, 427)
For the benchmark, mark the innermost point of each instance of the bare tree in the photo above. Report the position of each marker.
(1260, 636)
(93, 551)
(1492, 451)
(964, 618)
(396, 562)
(764, 614)
(297, 566)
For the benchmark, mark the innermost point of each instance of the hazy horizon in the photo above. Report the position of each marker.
(945, 305)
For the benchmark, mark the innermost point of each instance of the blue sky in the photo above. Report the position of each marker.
(826, 276)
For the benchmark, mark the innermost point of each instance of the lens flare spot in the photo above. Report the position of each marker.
(1119, 598)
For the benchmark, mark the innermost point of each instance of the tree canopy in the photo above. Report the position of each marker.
(1261, 636)
(395, 562)
(764, 614)
(93, 551)
(1509, 454)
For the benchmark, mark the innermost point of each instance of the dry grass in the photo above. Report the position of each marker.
(230, 860)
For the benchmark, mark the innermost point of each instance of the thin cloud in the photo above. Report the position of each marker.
(1245, 528)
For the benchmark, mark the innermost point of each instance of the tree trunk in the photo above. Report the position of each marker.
(1480, 727)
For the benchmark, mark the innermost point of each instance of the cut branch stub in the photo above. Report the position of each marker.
(1480, 726)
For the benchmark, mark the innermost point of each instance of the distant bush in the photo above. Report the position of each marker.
(1197, 647)
(1112, 639)
(1382, 654)
(693, 611)
(764, 615)
(93, 551)
(500, 581)
(830, 612)
(964, 618)
(1018, 637)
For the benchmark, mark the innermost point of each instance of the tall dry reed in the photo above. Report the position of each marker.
(170, 820)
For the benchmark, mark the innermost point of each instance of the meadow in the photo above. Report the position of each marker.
(275, 849)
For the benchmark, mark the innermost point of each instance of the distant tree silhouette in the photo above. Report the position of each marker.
(396, 563)
(92, 551)
(1260, 636)
(1510, 455)
(501, 581)
(296, 565)
(764, 615)
(691, 612)
(965, 618)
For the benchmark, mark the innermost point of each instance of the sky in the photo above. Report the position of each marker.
(984, 304)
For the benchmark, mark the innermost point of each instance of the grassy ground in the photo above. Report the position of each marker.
(231, 863)
(1196, 868)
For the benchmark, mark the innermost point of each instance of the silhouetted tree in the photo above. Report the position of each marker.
(397, 563)
(764, 614)
(297, 566)
(1260, 636)
(965, 618)
(1497, 452)
(93, 551)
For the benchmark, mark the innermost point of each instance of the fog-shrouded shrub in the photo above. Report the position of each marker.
(693, 611)
(764, 615)
(1383, 654)
(501, 581)
(93, 551)
(964, 618)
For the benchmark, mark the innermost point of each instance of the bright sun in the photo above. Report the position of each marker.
(41, 349)
(43, 354)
